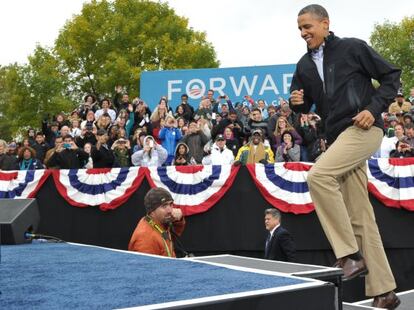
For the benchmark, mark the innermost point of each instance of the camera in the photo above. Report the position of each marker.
(222, 97)
(66, 145)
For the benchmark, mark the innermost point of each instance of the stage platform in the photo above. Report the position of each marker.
(76, 276)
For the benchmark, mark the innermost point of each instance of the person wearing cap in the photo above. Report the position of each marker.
(220, 154)
(155, 232)
(399, 106)
(152, 154)
(255, 151)
(102, 155)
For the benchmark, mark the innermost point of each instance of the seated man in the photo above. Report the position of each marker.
(255, 151)
(153, 234)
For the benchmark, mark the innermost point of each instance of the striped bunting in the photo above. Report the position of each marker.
(21, 184)
(195, 189)
(107, 188)
(284, 185)
(391, 181)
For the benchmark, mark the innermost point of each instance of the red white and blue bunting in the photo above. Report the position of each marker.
(195, 189)
(21, 184)
(391, 181)
(107, 188)
(284, 185)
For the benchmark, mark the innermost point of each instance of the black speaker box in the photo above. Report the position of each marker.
(17, 216)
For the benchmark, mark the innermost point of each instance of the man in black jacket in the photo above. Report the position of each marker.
(336, 75)
(68, 156)
(279, 242)
(102, 155)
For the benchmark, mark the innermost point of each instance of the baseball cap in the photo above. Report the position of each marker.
(220, 137)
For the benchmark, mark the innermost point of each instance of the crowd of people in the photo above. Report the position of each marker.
(123, 132)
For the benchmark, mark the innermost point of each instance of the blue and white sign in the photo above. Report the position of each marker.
(261, 82)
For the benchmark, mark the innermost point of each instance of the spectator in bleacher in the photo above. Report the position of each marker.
(181, 122)
(220, 154)
(68, 156)
(89, 120)
(409, 133)
(271, 110)
(106, 109)
(244, 116)
(288, 151)
(204, 110)
(402, 150)
(284, 111)
(75, 130)
(122, 153)
(407, 119)
(31, 136)
(89, 104)
(283, 125)
(26, 142)
(410, 99)
(388, 144)
(27, 159)
(88, 150)
(121, 98)
(12, 149)
(210, 97)
(231, 122)
(255, 151)
(205, 126)
(50, 131)
(399, 106)
(7, 161)
(88, 135)
(181, 157)
(187, 110)
(103, 122)
(102, 155)
(256, 122)
(151, 155)
(262, 106)
(169, 136)
(195, 139)
(40, 146)
(160, 112)
(61, 120)
(50, 152)
(232, 143)
(138, 140)
(391, 121)
(142, 117)
(64, 131)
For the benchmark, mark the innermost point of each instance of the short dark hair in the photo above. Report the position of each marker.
(256, 110)
(274, 212)
(409, 126)
(315, 9)
(68, 137)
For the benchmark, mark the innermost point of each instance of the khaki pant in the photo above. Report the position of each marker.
(338, 187)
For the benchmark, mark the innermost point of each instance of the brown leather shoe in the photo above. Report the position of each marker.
(389, 301)
(352, 268)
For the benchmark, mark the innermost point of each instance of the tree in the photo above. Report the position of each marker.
(396, 43)
(111, 43)
(29, 92)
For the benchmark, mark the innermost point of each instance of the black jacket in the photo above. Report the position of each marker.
(102, 158)
(281, 246)
(349, 64)
(68, 159)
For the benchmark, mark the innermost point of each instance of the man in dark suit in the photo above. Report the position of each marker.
(279, 243)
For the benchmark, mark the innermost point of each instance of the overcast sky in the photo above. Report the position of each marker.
(243, 32)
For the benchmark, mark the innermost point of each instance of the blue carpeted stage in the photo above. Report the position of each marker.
(68, 276)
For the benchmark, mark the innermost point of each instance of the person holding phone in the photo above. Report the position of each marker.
(151, 155)
(67, 155)
(336, 75)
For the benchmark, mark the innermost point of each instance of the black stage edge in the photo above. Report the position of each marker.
(313, 298)
(232, 226)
